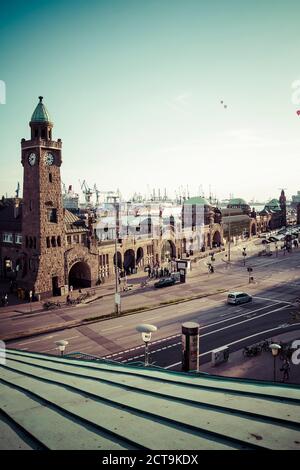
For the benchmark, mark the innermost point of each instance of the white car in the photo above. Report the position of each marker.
(236, 298)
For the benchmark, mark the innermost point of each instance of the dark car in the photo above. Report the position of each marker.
(165, 282)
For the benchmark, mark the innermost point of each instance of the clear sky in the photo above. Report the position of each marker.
(134, 88)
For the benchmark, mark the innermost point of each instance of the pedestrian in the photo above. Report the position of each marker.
(286, 370)
(6, 299)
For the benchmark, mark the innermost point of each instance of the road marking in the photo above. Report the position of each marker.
(231, 326)
(256, 317)
(113, 328)
(273, 300)
(34, 341)
(235, 342)
(202, 328)
(41, 339)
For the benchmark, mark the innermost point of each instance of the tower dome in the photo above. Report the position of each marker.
(41, 114)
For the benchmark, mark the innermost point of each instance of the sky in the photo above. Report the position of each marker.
(134, 89)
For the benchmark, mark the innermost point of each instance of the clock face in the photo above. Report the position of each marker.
(32, 159)
(49, 159)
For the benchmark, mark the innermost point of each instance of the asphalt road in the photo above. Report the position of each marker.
(277, 288)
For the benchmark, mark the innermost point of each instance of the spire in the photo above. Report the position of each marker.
(40, 114)
(41, 124)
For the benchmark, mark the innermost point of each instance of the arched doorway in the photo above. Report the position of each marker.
(139, 256)
(129, 261)
(119, 260)
(168, 251)
(80, 275)
(216, 242)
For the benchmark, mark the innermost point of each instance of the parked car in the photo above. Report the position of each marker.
(265, 241)
(165, 282)
(236, 298)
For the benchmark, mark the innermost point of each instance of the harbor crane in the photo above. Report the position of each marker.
(108, 194)
(88, 192)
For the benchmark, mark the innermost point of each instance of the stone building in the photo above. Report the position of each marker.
(44, 248)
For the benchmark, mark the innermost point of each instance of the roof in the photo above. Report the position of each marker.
(10, 218)
(40, 113)
(273, 204)
(236, 218)
(54, 402)
(73, 223)
(237, 202)
(196, 200)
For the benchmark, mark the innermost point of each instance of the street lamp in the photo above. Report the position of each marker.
(275, 348)
(146, 331)
(244, 255)
(249, 269)
(61, 345)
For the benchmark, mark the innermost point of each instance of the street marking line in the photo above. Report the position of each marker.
(256, 317)
(239, 341)
(113, 328)
(203, 327)
(231, 326)
(272, 300)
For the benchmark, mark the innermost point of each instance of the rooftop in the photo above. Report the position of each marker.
(40, 113)
(237, 202)
(52, 402)
(197, 200)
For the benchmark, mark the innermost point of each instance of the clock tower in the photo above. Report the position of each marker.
(43, 231)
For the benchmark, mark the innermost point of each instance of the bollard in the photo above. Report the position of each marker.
(190, 346)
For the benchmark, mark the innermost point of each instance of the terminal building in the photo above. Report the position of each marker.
(45, 248)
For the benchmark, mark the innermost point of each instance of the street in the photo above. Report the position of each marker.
(274, 294)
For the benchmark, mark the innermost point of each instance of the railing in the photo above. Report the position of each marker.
(42, 143)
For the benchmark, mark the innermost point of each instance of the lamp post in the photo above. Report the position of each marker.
(275, 348)
(249, 269)
(229, 237)
(30, 300)
(244, 255)
(146, 331)
(117, 294)
(61, 345)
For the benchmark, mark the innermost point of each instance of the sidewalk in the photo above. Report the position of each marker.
(260, 367)
(198, 268)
